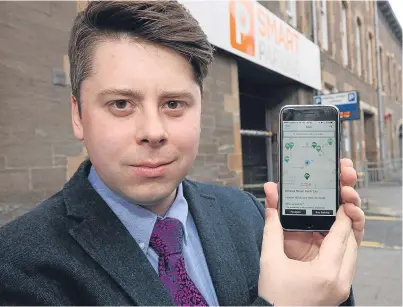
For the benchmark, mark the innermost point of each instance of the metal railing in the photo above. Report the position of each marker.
(368, 173)
(389, 171)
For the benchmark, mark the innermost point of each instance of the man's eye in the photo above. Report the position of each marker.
(120, 104)
(174, 104)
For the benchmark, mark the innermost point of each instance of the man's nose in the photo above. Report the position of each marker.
(152, 131)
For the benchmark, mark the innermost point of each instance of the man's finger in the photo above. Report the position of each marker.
(349, 195)
(358, 218)
(348, 176)
(346, 163)
(273, 237)
(334, 245)
(270, 189)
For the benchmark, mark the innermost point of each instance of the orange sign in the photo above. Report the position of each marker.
(345, 114)
(250, 23)
(242, 26)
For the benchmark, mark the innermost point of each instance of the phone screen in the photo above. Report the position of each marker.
(309, 166)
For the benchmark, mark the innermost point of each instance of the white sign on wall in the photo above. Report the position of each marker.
(249, 30)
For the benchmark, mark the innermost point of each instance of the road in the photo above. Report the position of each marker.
(378, 279)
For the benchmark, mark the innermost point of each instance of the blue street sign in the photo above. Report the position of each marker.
(348, 103)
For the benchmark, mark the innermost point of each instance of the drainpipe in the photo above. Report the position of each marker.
(315, 33)
(379, 85)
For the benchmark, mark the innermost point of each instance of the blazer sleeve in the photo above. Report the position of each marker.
(17, 288)
(351, 300)
(260, 301)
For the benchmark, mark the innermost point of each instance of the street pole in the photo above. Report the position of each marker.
(315, 31)
(379, 85)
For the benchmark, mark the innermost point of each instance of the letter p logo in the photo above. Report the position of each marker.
(242, 26)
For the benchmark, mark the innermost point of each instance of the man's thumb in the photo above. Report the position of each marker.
(273, 236)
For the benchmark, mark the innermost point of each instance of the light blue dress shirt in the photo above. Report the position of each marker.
(140, 223)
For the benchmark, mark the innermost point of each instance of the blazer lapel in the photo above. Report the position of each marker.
(222, 259)
(101, 234)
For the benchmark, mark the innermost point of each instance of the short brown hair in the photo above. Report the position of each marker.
(165, 23)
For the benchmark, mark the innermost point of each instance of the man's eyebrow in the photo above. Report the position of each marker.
(177, 94)
(127, 92)
(121, 92)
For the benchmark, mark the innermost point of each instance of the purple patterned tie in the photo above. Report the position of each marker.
(166, 240)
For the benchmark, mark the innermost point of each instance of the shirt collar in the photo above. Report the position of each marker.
(138, 220)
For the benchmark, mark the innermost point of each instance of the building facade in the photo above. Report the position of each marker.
(346, 36)
(266, 57)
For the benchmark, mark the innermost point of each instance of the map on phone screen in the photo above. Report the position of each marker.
(309, 176)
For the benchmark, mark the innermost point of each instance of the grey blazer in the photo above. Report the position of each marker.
(73, 250)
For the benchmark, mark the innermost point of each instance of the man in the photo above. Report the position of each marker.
(128, 229)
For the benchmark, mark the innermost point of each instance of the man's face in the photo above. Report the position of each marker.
(140, 119)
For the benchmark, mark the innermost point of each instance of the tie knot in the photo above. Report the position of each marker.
(167, 235)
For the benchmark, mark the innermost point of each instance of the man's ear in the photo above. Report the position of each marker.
(76, 119)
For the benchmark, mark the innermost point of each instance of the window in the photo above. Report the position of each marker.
(328, 89)
(388, 73)
(358, 46)
(323, 21)
(292, 12)
(381, 68)
(396, 77)
(393, 80)
(344, 34)
(369, 57)
(399, 85)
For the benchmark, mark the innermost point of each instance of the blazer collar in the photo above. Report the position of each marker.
(222, 259)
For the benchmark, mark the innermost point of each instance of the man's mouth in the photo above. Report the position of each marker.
(151, 169)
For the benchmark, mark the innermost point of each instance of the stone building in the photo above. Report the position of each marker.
(265, 59)
(346, 37)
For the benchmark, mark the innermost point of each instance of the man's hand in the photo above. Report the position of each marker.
(306, 268)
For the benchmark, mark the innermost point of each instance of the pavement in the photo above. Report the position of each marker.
(382, 199)
(378, 279)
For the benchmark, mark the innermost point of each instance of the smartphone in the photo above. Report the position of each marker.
(309, 167)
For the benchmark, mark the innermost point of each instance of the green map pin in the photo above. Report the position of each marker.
(287, 146)
(314, 144)
(318, 148)
(330, 141)
(286, 159)
(291, 145)
(307, 176)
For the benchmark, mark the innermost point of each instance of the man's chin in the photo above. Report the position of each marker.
(151, 195)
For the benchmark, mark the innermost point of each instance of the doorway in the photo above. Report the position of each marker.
(261, 94)
(371, 151)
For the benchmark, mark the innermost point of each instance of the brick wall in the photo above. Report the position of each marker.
(36, 140)
(220, 154)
